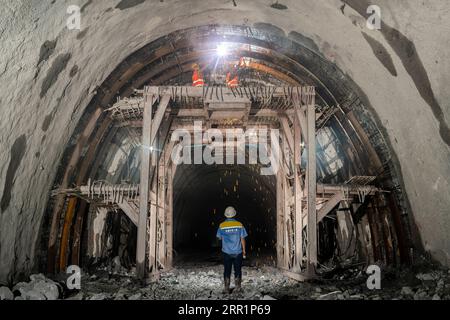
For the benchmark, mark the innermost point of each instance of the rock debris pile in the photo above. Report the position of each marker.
(267, 283)
(259, 283)
(38, 288)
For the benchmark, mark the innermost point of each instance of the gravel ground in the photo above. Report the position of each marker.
(194, 280)
(205, 283)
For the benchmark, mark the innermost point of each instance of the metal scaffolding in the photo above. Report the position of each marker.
(301, 202)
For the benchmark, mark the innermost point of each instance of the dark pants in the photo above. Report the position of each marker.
(232, 260)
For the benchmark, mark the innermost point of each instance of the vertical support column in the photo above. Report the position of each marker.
(287, 224)
(144, 186)
(280, 210)
(161, 211)
(298, 197)
(168, 240)
(288, 228)
(169, 218)
(312, 186)
(153, 223)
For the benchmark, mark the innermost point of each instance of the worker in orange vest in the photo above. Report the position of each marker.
(233, 75)
(197, 76)
(233, 78)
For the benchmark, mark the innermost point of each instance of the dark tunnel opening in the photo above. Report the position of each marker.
(202, 194)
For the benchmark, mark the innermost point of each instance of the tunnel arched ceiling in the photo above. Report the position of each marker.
(57, 82)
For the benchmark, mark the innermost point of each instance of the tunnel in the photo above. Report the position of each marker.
(349, 144)
(381, 108)
(201, 196)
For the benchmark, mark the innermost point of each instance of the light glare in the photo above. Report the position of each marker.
(222, 50)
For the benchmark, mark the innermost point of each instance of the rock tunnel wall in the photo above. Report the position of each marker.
(49, 75)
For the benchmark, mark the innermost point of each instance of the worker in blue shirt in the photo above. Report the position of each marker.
(233, 234)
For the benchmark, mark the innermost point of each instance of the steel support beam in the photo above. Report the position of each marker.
(298, 192)
(169, 218)
(281, 177)
(169, 204)
(287, 132)
(312, 189)
(161, 212)
(301, 117)
(61, 199)
(159, 115)
(326, 208)
(131, 212)
(330, 205)
(153, 226)
(144, 186)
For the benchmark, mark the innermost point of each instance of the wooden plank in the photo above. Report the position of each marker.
(144, 187)
(312, 189)
(129, 211)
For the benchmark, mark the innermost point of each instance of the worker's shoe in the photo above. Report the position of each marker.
(237, 284)
(226, 288)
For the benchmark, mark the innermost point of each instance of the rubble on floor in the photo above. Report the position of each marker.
(6, 294)
(204, 282)
(38, 288)
(264, 283)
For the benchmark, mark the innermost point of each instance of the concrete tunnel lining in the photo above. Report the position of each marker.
(424, 177)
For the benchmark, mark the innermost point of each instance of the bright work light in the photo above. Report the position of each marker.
(222, 50)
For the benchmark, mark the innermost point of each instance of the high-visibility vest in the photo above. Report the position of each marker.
(234, 82)
(197, 79)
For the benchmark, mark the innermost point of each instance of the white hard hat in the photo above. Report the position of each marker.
(230, 212)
